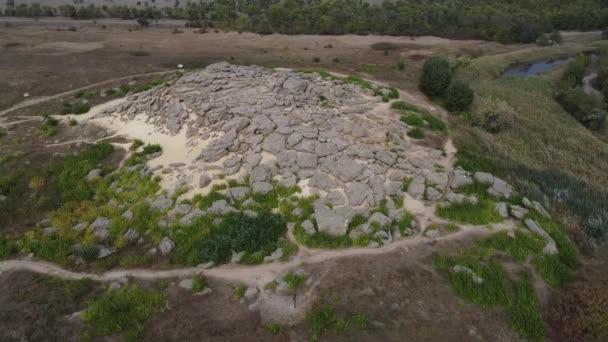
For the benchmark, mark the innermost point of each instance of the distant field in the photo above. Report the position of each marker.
(141, 3)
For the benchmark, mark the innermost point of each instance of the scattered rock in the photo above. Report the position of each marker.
(166, 245)
(463, 269)
(518, 212)
(93, 175)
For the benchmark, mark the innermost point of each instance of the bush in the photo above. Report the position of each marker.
(492, 115)
(400, 66)
(575, 71)
(415, 133)
(412, 119)
(459, 97)
(3, 132)
(123, 311)
(76, 107)
(316, 59)
(585, 108)
(436, 76)
(241, 233)
(483, 212)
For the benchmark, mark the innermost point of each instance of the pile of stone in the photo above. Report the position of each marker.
(331, 138)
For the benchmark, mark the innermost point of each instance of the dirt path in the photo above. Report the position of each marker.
(258, 275)
(42, 99)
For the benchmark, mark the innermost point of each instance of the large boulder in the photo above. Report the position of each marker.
(328, 221)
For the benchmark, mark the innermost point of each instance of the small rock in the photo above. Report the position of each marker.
(166, 245)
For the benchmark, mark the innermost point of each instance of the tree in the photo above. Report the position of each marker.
(436, 76)
(459, 97)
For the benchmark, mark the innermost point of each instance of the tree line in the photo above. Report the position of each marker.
(498, 20)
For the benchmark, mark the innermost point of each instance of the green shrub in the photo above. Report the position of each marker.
(523, 245)
(400, 66)
(239, 292)
(316, 59)
(575, 71)
(76, 107)
(238, 232)
(325, 318)
(436, 76)
(3, 132)
(434, 123)
(199, 283)
(123, 311)
(583, 107)
(295, 280)
(493, 115)
(400, 105)
(459, 97)
(483, 212)
(412, 119)
(415, 133)
(8, 247)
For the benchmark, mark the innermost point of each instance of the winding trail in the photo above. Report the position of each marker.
(259, 275)
(42, 99)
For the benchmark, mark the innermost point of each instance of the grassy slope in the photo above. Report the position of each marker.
(543, 144)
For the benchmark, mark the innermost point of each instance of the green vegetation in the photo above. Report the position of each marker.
(413, 119)
(459, 97)
(123, 311)
(378, 91)
(525, 312)
(49, 127)
(415, 133)
(451, 228)
(76, 107)
(3, 132)
(495, 20)
(325, 318)
(436, 76)
(483, 212)
(295, 280)
(199, 283)
(239, 292)
(256, 236)
(8, 247)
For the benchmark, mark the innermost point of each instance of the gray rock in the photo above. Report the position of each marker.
(322, 181)
(186, 283)
(397, 175)
(500, 189)
(161, 203)
(431, 233)
(308, 227)
(432, 194)
(518, 212)
(502, 209)
(307, 160)
(294, 139)
(328, 221)
(101, 223)
(381, 219)
(81, 226)
(250, 294)
(166, 245)
(239, 192)
(274, 143)
(357, 193)
(347, 169)
(236, 257)
(551, 247)
(260, 173)
(127, 215)
(93, 175)
(250, 213)
(188, 218)
(461, 179)
(221, 207)
(274, 256)
(262, 187)
(483, 178)
(335, 198)
(417, 187)
(131, 235)
(204, 181)
(104, 252)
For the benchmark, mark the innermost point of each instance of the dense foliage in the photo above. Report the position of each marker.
(241, 233)
(516, 20)
(436, 76)
(459, 97)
